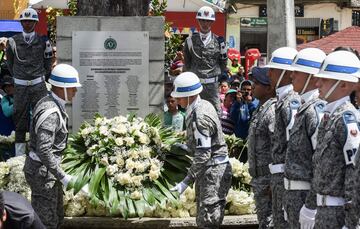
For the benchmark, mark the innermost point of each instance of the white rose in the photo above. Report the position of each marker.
(104, 130)
(119, 141)
(140, 167)
(135, 195)
(129, 141)
(119, 129)
(130, 164)
(144, 139)
(120, 161)
(145, 152)
(136, 180)
(154, 174)
(133, 154)
(111, 170)
(86, 131)
(123, 178)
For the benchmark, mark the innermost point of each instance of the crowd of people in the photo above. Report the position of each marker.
(301, 122)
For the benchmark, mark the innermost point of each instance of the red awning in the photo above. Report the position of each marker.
(185, 22)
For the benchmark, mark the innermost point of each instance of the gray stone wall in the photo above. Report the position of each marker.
(154, 25)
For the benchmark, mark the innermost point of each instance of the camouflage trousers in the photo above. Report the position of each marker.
(210, 93)
(25, 98)
(211, 188)
(329, 217)
(277, 190)
(293, 201)
(262, 196)
(46, 194)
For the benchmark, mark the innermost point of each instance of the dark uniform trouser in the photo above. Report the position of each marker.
(277, 190)
(46, 194)
(25, 97)
(293, 201)
(262, 196)
(330, 217)
(211, 188)
(210, 93)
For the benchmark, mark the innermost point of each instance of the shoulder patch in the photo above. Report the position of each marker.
(319, 110)
(295, 104)
(352, 137)
(293, 109)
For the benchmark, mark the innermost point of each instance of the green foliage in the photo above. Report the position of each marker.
(87, 170)
(52, 13)
(236, 146)
(158, 8)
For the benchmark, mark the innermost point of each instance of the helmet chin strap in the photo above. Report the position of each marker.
(280, 78)
(306, 84)
(65, 94)
(188, 103)
(331, 89)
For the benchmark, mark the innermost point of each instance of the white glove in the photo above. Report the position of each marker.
(180, 188)
(65, 181)
(307, 218)
(344, 227)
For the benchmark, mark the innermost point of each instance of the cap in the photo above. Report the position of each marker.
(260, 75)
(231, 91)
(235, 81)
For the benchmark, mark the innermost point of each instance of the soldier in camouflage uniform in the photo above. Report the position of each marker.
(286, 107)
(29, 61)
(48, 140)
(205, 55)
(302, 142)
(210, 169)
(338, 141)
(260, 139)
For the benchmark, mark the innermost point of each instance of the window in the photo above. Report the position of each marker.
(356, 17)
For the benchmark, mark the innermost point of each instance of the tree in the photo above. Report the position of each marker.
(113, 7)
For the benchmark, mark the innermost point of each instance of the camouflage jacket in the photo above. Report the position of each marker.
(49, 136)
(205, 61)
(29, 61)
(260, 138)
(204, 136)
(338, 141)
(285, 112)
(300, 149)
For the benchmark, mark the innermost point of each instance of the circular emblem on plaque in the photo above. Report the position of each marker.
(110, 43)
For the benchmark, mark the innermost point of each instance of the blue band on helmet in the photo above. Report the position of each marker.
(280, 60)
(34, 16)
(63, 80)
(341, 69)
(309, 63)
(190, 88)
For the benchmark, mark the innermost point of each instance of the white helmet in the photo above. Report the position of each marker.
(308, 60)
(282, 58)
(64, 75)
(206, 13)
(340, 65)
(186, 84)
(29, 14)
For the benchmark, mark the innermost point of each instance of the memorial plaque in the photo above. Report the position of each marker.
(114, 73)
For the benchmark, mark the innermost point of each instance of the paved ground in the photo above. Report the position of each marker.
(245, 221)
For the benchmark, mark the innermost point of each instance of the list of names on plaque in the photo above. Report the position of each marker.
(114, 72)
